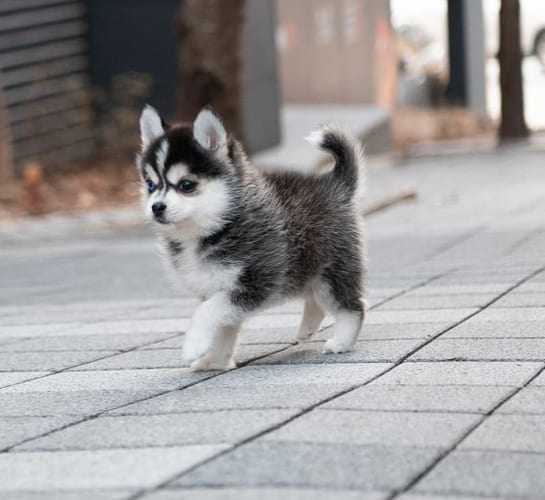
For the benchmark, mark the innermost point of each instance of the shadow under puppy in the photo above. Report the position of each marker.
(243, 240)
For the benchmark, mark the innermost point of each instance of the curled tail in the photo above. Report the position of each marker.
(348, 154)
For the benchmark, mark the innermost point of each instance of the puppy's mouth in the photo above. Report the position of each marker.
(161, 220)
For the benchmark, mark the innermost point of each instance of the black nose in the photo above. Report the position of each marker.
(158, 208)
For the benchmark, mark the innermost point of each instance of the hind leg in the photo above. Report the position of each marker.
(312, 318)
(345, 331)
(340, 293)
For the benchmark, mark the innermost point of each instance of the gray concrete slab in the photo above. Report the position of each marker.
(337, 373)
(465, 349)
(11, 378)
(47, 361)
(405, 429)
(82, 403)
(498, 329)
(68, 495)
(458, 301)
(531, 399)
(98, 469)
(158, 379)
(262, 494)
(170, 358)
(214, 395)
(112, 342)
(461, 373)
(219, 427)
(364, 351)
(422, 398)
(524, 433)
(15, 430)
(503, 474)
(366, 468)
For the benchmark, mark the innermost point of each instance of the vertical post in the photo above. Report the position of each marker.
(6, 167)
(512, 125)
(467, 55)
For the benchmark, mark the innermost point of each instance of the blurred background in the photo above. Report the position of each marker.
(74, 75)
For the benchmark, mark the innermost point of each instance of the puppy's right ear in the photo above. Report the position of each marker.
(151, 126)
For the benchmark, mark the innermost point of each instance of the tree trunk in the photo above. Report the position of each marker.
(210, 35)
(512, 124)
(6, 167)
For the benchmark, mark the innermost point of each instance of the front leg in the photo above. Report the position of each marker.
(210, 340)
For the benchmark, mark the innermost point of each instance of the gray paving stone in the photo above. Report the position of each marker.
(10, 378)
(347, 466)
(497, 329)
(231, 426)
(111, 380)
(82, 403)
(282, 334)
(247, 337)
(67, 314)
(530, 299)
(364, 351)
(438, 398)
(170, 343)
(47, 361)
(487, 473)
(177, 325)
(396, 331)
(410, 496)
(539, 380)
(18, 429)
(98, 469)
(286, 375)
(22, 331)
(67, 495)
(171, 358)
(420, 316)
(530, 399)
(433, 290)
(272, 321)
(112, 342)
(509, 432)
(437, 302)
(213, 395)
(262, 494)
(460, 373)
(482, 349)
(406, 429)
(512, 314)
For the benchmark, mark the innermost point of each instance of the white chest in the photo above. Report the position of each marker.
(201, 276)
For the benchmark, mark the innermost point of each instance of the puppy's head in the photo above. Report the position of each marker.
(185, 171)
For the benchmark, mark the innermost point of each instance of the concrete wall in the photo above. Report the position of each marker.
(261, 113)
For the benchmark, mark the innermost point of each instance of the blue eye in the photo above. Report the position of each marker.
(151, 185)
(186, 186)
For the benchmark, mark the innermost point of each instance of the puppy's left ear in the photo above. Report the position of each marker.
(209, 132)
(151, 126)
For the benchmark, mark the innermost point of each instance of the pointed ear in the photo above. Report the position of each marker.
(209, 132)
(151, 126)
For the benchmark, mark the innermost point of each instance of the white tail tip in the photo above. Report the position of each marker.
(315, 138)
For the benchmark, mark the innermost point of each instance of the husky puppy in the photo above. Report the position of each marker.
(243, 240)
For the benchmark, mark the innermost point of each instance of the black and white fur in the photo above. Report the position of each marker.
(244, 240)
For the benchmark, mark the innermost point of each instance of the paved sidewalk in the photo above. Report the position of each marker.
(444, 396)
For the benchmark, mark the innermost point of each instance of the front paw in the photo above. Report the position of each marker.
(193, 351)
(333, 346)
(303, 336)
(206, 364)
